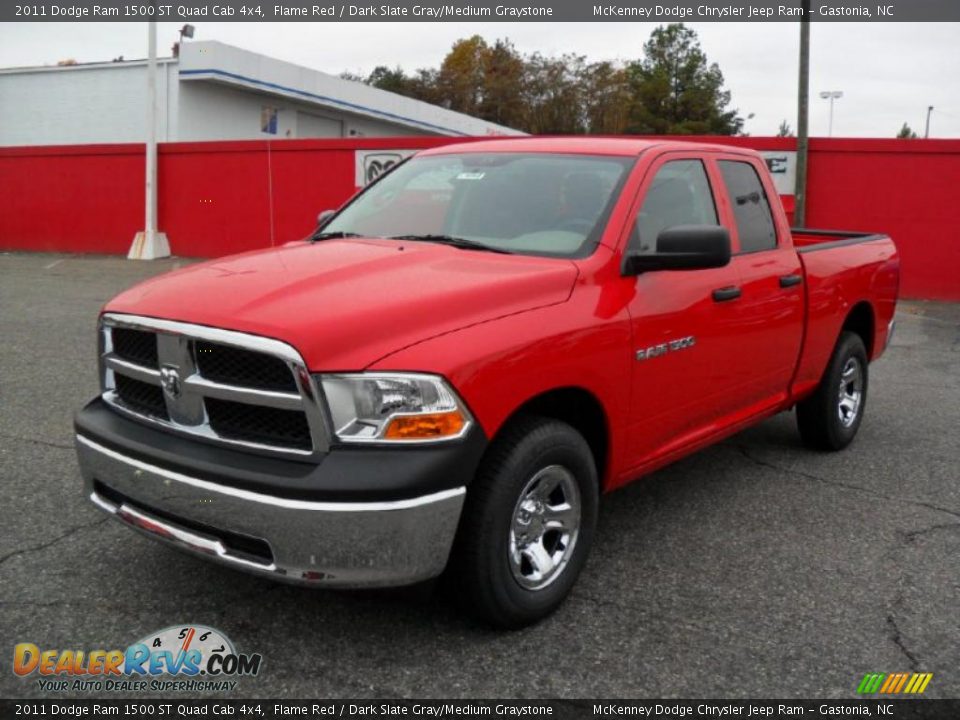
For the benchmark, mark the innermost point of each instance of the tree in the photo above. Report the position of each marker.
(606, 98)
(553, 95)
(671, 89)
(676, 91)
(784, 130)
(502, 87)
(906, 133)
(459, 83)
(394, 80)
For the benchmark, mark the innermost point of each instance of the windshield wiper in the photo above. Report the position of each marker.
(457, 242)
(332, 235)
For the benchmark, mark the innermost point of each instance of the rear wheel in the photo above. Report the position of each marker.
(829, 419)
(528, 523)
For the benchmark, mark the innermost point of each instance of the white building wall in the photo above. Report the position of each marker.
(375, 111)
(212, 92)
(211, 111)
(83, 104)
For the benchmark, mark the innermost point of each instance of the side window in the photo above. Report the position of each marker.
(751, 208)
(679, 195)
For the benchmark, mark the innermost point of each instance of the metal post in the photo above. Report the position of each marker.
(151, 201)
(803, 87)
(150, 244)
(926, 133)
(830, 128)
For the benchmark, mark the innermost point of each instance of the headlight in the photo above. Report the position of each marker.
(378, 407)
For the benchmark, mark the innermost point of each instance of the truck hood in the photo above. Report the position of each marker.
(347, 303)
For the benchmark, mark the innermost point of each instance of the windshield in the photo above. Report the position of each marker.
(531, 203)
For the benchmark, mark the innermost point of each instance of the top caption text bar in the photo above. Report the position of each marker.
(487, 11)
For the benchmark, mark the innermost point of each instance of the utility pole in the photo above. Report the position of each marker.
(803, 87)
(150, 244)
(926, 133)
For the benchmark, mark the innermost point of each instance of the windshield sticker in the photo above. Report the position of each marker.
(470, 176)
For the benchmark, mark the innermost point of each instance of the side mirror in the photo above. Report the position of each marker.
(324, 217)
(683, 247)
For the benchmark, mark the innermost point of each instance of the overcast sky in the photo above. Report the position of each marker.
(889, 73)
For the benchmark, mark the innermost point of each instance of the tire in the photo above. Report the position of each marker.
(513, 564)
(829, 419)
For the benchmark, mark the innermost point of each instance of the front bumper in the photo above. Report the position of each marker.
(293, 538)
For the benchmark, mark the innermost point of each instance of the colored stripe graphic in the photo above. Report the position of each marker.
(870, 683)
(894, 683)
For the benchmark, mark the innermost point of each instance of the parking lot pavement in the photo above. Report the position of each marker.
(754, 568)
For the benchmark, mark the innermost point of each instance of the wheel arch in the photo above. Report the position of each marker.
(579, 408)
(862, 320)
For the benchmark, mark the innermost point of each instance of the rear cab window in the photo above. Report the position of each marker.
(751, 206)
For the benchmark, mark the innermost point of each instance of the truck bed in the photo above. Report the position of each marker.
(843, 270)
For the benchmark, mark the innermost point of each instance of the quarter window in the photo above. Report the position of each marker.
(679, 195)
(751, 208)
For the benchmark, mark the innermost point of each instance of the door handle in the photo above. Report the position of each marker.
(725, 294)
(787, 281)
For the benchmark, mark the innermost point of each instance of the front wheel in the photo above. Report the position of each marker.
(829, 419)
(528, 523)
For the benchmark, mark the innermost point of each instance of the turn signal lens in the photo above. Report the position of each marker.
(434, 425)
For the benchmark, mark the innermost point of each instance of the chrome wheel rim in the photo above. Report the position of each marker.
(544, 527)
(850, 395)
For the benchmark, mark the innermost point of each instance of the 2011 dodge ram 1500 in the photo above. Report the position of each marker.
(450, 371)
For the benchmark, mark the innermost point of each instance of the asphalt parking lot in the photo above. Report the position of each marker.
(753, 569)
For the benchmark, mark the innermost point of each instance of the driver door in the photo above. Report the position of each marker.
(681, 320)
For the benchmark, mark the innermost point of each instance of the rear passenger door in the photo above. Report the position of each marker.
(770, 313)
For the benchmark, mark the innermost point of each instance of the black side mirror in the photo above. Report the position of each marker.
(324, 217)
(683, 247)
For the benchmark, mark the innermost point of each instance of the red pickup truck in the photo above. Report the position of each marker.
(453, 368)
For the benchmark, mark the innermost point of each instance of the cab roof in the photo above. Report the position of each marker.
(579, 145)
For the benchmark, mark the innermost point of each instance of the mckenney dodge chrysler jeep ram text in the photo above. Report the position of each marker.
(450, 371)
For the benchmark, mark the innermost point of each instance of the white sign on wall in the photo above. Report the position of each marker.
(783, 168)
(371, 164)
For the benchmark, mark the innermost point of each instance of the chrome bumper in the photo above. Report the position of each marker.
(358, 544)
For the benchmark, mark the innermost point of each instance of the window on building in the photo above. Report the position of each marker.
(268, 120)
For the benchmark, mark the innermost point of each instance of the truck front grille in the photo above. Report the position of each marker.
(218, 385)
(137, 346)
(231, 365)
(260, 424)
(141, 397)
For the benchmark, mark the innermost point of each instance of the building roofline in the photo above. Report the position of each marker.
(100, 64)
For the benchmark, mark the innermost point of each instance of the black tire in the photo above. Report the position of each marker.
(481, 568)
(824, 422)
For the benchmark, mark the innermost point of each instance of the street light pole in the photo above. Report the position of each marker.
(150, 244)
(926, 133)
(831, 95)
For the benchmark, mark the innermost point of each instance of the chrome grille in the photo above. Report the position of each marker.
(218, 385)
(225, 364)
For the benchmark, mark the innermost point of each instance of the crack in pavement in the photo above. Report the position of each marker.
(51, 543)
(897, 638)
(895, 634)
(914, 534)
(836, 483)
